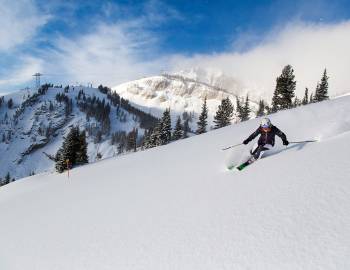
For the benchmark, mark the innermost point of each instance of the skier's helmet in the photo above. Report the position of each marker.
(265, 123)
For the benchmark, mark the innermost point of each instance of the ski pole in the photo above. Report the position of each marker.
(232, 146)
(304, 141)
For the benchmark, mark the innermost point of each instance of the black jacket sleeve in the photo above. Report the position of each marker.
(281, 134)
(253, 135)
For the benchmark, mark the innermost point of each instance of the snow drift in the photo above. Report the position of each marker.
(177, 207)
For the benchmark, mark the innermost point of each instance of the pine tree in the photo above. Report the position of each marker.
(186, 128)
(10, 103)
(74, 150)
(223, 114)
(202, 121)
(306, 97)
(121, 145)
(311, 98)
(7, 179)
(146, 139)
(72, 145)
(155, 136)
(82, 157)
(165, 128)
(246, 110)
(284, 91)
(268, 109)
(60, 161)
(297, 102)
(322, 88)
(178, 131)
(239, 109)
(131, 140)
(261, 110)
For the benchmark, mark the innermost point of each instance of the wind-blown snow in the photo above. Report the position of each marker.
(177, 207)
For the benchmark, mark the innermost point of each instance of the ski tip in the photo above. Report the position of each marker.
(231, 167)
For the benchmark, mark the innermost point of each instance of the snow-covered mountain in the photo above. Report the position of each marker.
(32, 129)
(177, 207)
(181, 92)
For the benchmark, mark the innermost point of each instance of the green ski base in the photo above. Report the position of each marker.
(242, 166)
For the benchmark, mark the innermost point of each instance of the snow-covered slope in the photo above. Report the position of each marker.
(182, 92)
(36, 124)
(177, 207)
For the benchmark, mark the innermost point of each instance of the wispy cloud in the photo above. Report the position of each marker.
(21, 72)
(19, 22)
(110, 54)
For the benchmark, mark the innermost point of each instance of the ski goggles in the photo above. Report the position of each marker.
(266, 128)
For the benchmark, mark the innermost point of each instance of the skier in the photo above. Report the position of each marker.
(267, 133)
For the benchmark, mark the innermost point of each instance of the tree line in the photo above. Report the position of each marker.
(160, 131)
(283, 98)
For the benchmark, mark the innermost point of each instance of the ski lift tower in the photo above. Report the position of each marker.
(37, 79)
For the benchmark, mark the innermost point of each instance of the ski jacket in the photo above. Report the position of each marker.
(267, 137)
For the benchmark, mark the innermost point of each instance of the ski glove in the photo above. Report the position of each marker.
(245, 142)
(285, 142)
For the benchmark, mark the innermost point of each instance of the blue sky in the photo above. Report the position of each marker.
(116, 41)
(198, 26)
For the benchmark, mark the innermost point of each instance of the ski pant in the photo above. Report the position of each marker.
(258, 150)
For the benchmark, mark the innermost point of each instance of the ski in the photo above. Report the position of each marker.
(243, 165)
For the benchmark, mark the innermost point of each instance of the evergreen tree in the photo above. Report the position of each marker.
(322, 88)
(158, 134)
(202, 121)
(178, 131)
(311, 98)
(297, 102)
(239, 109)
(72, 145)
(261, 110)
(7, 179)
(121, 145)
(60, 161)
(131, 140)
(165, 127)
(74, 150)
(246, 110)
(306, 97)
(51, 108)
(223, 114)
(284, 91)
(82, 157)
(268, 109)
(146, 139)
(10, 103)
(186, 129)
(155, 136)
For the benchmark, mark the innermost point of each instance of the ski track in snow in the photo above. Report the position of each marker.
(177, 207)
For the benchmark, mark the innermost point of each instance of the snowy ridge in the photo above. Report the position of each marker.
(177, 207)
(178, 92)
(31, 128)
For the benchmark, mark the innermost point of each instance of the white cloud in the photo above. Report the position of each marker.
(110, 54)
(21, 73)
(118, 52)
(19, 22)
(309, 48)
